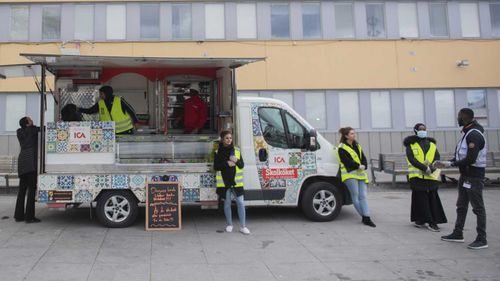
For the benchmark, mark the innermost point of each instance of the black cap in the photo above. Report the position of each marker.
(107, 90)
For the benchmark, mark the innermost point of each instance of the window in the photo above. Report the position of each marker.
(272, 127)
(19, 22)
(51, 22)
(495, 19)
(296, 132)
(214, 21)
(116, 22)
(311, 20)
(476, 100)
(414, 108)
(84, 22)
(469, 19)
(445, 108)
(150, 21)
(349, 109)
(438, 19)
(16, 109)
(407, 15)
(344, 20)
(248, 94)
(286, 97)
(375, 20)
(49, 114)
(381, 109)
(247, 21)
(316, 109)
(280, 21)
(181, 21)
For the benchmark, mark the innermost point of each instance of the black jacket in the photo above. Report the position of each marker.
(418, 183)
(28, 140)
(347, 160)
(109, 104)
(475, 143)
(228, 173)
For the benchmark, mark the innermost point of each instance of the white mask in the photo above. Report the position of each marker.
(422, 134)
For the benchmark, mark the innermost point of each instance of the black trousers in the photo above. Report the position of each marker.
(27, 184)
(474, 195)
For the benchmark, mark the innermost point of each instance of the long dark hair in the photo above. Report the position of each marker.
(343, 133)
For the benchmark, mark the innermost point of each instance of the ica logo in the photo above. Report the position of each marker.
(79, 135)
(279, 159)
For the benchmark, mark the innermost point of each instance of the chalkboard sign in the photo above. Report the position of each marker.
(163, 208)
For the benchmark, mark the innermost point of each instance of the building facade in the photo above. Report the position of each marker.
(377, 66)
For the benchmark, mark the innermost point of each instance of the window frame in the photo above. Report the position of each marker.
(446, 16)
(391, 114)
(190, 5)
(125, 27)
(28, 6)
(289, 21)
(224, 37)
(93, 21)
(282, 121)
(383, 4)
(417, 22)
(59, 6)
(320, 36)
(157, 37)
(421, 92)
(256, 21)
(353, 20)
(358, 108)
(453, 93)
(478, 20)
(493, 34)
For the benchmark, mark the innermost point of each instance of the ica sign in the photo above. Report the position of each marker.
(79, 135)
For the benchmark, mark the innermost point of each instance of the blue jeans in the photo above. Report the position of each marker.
(357, 188)
(239, 203)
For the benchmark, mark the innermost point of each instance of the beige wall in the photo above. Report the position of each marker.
(314, 64)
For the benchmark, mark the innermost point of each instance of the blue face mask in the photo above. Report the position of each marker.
(422, 134)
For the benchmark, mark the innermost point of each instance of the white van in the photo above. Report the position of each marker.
(286, 162)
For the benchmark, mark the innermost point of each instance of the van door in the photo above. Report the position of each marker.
(279, 141)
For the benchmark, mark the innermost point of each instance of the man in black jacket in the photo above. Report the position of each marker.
(470, 158)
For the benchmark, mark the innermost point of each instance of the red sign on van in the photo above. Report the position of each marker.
(289, 173)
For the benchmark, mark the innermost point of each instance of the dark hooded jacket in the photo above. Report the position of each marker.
(475, 143)
(425, 143)
(28, 140)
(109, 104)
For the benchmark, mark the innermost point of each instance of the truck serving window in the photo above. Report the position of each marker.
(272, 126)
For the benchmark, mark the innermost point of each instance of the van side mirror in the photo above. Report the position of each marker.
(312, 143)
(262, 155)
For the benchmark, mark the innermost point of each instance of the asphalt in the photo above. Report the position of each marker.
(68, 245)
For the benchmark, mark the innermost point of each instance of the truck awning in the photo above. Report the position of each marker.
(19, 70)
(56, 62)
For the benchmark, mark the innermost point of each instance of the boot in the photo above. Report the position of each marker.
(368, 221)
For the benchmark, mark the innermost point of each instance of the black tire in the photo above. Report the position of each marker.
(321, 194)
(122, 214)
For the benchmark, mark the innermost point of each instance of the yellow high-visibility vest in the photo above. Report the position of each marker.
(123, 122)
(426, 159)
(355, 174)
(238, 178)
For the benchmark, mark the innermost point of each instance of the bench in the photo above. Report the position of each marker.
(396, 165)
(8, 169)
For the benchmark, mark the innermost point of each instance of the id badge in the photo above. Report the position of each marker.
(467, 185)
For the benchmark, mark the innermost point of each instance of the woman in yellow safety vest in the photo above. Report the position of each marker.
(229, 179)
(421, 152)
(353, 165)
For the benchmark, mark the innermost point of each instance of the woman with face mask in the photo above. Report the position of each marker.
(421, 152)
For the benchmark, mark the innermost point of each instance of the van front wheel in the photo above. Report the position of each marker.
(117, 209)
(321, 201)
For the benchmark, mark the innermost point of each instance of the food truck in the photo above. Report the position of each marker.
(287, 163)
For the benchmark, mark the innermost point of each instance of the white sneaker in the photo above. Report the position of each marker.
(229, 228)
(245, 230)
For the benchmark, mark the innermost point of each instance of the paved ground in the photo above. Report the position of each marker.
(283, 246)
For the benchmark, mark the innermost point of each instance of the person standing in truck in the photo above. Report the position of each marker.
(353, 166)
(195, 113)
(27, 170)
(229, 180)
(114, 108)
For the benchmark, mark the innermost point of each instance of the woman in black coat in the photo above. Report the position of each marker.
(426, 208)
(27, 170)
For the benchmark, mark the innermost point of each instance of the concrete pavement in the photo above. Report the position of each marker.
(67, 245)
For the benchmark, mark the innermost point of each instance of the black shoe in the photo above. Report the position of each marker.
(368, 221)
(33, 220)
(419, 224)
(478, 244)
(454, 237)
(18, 220)
(433, 227)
